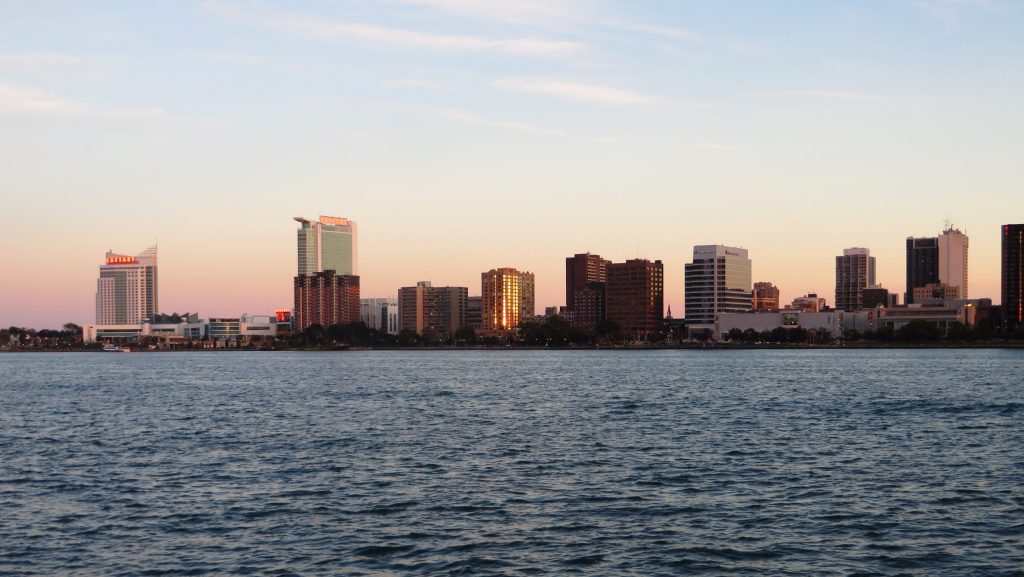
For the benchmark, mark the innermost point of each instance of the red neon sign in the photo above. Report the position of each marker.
(121, 260)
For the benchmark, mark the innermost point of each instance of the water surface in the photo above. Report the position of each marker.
(820, 462)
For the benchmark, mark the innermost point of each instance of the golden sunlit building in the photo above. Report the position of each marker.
(507, 298)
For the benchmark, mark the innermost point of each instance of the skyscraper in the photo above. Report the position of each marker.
(508, 298)
(325, 299)
(855, 271)
(922, 264)
(585, 275)
(937, 260)
(953, 259)
(1013, 275)
(127, 289)
(327, 244)
(717, 281)
(634, 297)
(440, 310)
(765, 297)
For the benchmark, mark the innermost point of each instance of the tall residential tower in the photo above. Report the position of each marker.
(126, 291)
(508, 298)
(855, 271)
(1013, 275)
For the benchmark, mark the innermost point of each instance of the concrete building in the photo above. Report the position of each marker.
(953, 260)
(942, 314)
(127, 291)
(810, 302)
(829, 321)
(937, 260)
(940, 291)
(717, 281)
(380, 314)
(475, 312)
(765, 297)
(855, 271)
(1013, 275)
(634, 297)
(507, 298)
(584, 273)
(326, 299)
(437, 310)
(329, 243)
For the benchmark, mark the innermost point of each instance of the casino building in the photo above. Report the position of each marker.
(126, 291)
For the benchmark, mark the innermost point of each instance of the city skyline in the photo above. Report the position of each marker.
(463, 136)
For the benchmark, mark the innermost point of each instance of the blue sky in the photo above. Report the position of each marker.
(464, 135)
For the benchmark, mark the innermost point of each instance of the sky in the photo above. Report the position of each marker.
(465, 135)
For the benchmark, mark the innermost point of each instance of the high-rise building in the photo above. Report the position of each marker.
(937, 291)
(765, 297)
(508, 298)
(126, 291)
(717, 281)
(380, 314)
(325, 298)
(580, 270)
(1013, 275)
(634, 297)
(922, 264)
(937, 260)
(855, 271)
(327, 244)
(427, 308)
(953, 260)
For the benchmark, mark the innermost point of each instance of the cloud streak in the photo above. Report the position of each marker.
(575, 91)
(397, 38)
(24, 101)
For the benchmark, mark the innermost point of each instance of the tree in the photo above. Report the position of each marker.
(408, 338)
(465, 335)
(607, 330)
(919, 330)
(556, 331)
(734, 335)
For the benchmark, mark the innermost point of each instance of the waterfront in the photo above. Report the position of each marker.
(667, 462)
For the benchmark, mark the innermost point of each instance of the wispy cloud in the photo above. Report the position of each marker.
(48, 64)
(391, 37)
(575, 91)
(25, 101)
(834, 94)
(515, 11)
(469, 118)
(947, 9)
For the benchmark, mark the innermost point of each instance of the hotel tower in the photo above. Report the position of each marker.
(126, 291)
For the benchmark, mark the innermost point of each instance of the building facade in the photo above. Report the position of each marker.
(953, 260)
(329, 243)
(634, 297)
(426, 308)
(874, 297)
(765, 297)
(939, 291)
(582, 271)
(810, 302)
(1013, 275)
(717, 281)
(855, 271)
(922, 264)
(325, 299)
(127, 288)
(507, 298)
(380, 314)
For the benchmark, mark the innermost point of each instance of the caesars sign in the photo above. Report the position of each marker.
(121, 260)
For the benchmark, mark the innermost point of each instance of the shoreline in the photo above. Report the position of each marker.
(683, 346)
